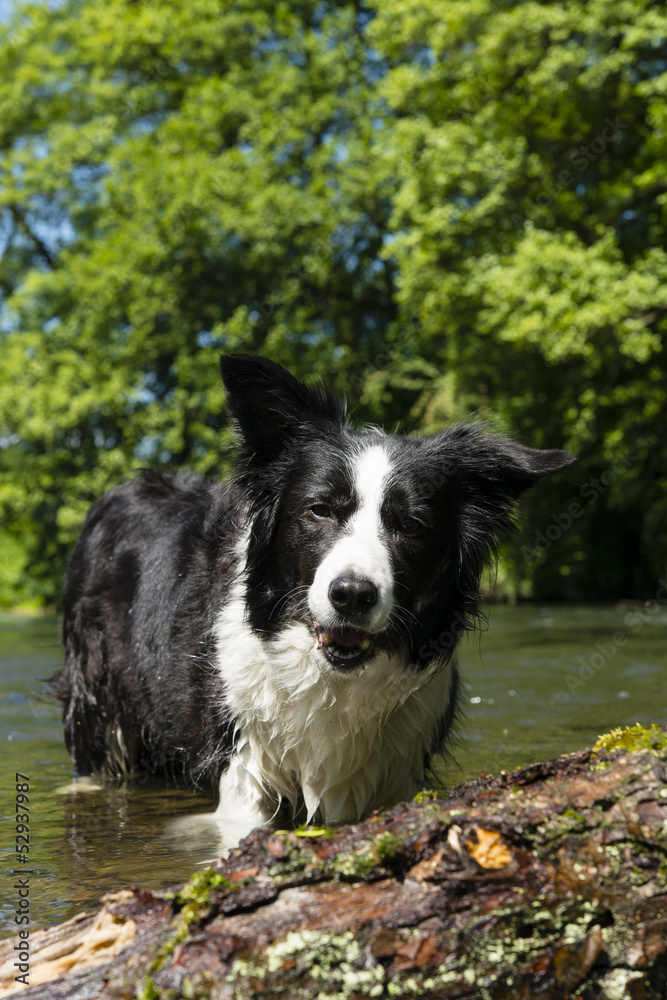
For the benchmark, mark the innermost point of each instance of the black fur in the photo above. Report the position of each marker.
(156, 558)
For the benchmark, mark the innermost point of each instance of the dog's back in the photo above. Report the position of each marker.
(140, 597)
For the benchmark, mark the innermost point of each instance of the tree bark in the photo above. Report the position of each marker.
(549, 882)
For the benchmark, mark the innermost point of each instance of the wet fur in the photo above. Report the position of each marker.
(190, 644)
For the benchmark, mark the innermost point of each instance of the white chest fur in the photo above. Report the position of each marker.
(341, 743)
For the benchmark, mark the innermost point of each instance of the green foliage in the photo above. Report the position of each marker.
(528, 230)
(12, 562)
(635, 737)
(443, 209)
(173, 186)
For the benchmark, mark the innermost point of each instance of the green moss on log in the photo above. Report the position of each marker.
(630, 738)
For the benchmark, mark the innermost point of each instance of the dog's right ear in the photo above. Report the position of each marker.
(267, 404)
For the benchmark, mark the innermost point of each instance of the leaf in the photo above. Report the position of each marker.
(490, 851)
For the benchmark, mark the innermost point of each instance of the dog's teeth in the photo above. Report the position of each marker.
(326, 639)
(364, 644)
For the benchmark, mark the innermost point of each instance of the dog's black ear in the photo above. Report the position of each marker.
(519, 467)
(267, 404)
(483, 475)
(478, 477)
(493, 464)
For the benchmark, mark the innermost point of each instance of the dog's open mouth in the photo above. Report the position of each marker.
(344, 647)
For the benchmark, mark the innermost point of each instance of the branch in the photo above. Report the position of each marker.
(19, 217)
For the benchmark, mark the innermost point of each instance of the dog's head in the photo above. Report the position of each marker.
(375, 542)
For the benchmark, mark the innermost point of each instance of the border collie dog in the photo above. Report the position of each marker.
(288, 635)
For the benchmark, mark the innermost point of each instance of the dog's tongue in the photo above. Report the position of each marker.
(347, 637)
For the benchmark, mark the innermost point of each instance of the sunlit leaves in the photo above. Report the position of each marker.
(528, 232)
(443, 209)
(175, 181)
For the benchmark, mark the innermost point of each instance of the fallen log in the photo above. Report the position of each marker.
(547, 882)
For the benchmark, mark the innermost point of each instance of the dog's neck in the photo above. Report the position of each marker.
(337, 744)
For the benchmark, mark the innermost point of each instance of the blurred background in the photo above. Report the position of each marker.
(442, 209)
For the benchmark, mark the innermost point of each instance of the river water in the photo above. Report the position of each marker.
(538, 682)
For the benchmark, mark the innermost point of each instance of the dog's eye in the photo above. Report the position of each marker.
(319, 510)
(409, 525)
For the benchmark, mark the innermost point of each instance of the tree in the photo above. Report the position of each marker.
(528, 231)
(174, 182)
(442, 209)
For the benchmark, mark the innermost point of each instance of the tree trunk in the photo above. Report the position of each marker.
(550, 882)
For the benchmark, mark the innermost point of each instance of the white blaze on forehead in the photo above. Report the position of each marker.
(372, 468)
(360, 551)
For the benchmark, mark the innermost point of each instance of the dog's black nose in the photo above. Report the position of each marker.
(352, 595)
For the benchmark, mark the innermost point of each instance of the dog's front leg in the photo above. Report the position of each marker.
(243, 804)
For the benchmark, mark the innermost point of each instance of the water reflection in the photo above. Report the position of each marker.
(543, 681)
